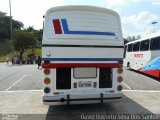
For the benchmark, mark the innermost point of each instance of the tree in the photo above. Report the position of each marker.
(125, 40)
(37, 33)
(5, 29)
(38, 37)
(22, 41)
(129, 38)
(133, 38)
(138, 37)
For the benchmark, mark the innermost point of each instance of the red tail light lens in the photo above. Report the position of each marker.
(47, 71)
(120, 79)
(47, 81)
(46, 62)
(120, 62)
(120, 70)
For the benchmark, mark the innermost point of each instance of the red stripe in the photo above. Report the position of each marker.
(155, 73)
(73, 65)
(57, 26)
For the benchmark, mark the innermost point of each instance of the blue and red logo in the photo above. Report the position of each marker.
(58, 29)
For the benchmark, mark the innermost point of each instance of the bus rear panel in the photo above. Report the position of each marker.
(82, 52)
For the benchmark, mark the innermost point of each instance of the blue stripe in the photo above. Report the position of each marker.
(82, 59)
(153, 65)
(67, 31)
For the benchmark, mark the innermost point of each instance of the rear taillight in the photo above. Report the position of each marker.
(46, 90)
(120, 79)
(47, 71)
(120, 62)
(47, 81)
(46, 62)
(120, 70)
(119, 88)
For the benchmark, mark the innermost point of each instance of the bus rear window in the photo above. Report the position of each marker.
(85, 72)
(144, 45)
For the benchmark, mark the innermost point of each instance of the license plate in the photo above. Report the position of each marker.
(85, 84)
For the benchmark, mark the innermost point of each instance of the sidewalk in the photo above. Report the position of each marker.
(4, 63)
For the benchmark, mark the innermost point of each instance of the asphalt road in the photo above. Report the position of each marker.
(20, 77)
(21, 94)
(137, 81)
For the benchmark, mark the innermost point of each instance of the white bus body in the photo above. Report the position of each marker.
(82, 52)
(144, 55)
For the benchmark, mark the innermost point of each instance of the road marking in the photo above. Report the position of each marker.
(17, 82)
(149, 91)
(21, 91)
(155, 81)
(126, 85)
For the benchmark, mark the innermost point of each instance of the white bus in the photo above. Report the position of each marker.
(144, 55)
(82, 54)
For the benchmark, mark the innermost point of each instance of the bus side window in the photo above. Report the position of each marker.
(144, 45)
(154, 44)
(125, 50)
(136, 46)
(158, 43)
(130, 47)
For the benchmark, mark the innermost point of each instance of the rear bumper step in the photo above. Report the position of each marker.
(67, 99)
(83, 99)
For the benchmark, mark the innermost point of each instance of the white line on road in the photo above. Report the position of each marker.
(17, 82)
(149, 91)
(126, 85)
(155, 81)
(21, 91)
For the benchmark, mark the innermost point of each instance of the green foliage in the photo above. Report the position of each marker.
(5, 47)
(37, 52)
(125, 40)
(37, 33)
(5, 28)
(26, 41)
(23, 41)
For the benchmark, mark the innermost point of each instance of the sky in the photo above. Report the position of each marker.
(136, 15)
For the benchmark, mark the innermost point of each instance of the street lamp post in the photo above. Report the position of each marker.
(11, 28)
(154, 23)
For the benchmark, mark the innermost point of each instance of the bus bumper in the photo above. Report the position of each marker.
(80, 99)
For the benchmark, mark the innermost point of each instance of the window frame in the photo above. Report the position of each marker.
(83, 76)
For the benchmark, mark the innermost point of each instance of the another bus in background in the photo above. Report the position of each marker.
(144, 55)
